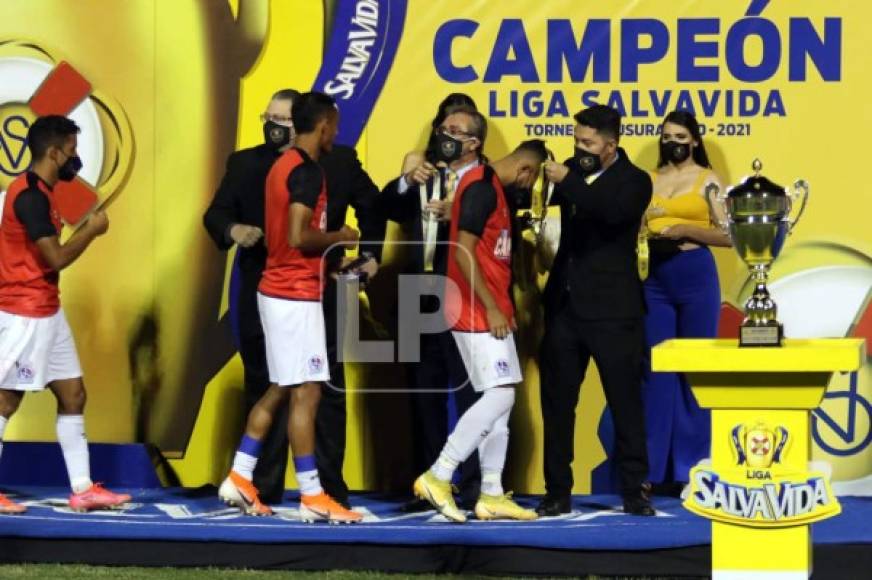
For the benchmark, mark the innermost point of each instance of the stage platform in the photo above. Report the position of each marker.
(179, 527)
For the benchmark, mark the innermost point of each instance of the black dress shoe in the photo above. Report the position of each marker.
(639, 503)
(554, 505)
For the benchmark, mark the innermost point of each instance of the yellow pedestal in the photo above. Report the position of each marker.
(758, 488)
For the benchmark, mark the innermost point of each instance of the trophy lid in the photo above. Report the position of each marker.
(757, 184)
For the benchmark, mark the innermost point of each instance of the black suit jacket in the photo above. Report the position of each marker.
(595, 267)
(406, 208)
(240, 199)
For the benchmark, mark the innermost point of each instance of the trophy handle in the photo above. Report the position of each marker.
(800, 191)
(714, 192)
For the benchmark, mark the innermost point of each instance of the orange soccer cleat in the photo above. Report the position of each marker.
(322, 507)
(97, 497)
(7, 506)
(240, 492)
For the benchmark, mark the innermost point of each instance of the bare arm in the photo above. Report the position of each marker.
(58, 256)
(709, 236)
(310, 240)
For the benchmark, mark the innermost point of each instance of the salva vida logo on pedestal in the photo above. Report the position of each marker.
(758, 491)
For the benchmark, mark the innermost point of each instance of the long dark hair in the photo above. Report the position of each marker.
(449, 105)
(689, 122)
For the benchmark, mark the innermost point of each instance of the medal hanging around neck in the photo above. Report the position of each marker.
(429, 223)
(543, 189)
(545, 228)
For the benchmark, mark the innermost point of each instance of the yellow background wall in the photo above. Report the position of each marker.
(191, 78)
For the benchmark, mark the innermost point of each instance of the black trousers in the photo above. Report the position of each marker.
(269, 475)
(616, 346)
(440, 368)
(331, 418)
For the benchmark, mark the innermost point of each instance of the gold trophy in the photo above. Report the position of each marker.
(758, 220)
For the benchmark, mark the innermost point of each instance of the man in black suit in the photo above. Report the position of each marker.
(594, 307)
(422, 198)
(236, 215)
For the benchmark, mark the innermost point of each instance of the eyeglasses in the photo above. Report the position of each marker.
(281, 119)
(453, 132)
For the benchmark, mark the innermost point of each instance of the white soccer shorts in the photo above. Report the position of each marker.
(489, 361)
(36, 351)
(296, 346)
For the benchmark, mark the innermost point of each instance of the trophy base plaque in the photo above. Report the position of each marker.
(762, 335)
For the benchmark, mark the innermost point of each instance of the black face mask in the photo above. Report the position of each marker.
(587, 163)
(70, 168)
(674, 152)
(276, 136)
(447, 148)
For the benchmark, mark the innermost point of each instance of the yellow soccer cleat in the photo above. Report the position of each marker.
(501, 507)
(438, 493)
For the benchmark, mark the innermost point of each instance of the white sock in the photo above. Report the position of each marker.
(246, 456)
(244, 464)
(309, 482)
(472, 428)
(306, 469)
(74, 445)
(3, 421)
(492, 455)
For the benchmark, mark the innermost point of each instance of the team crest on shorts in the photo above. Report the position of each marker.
(316, 363)
(24, 373)
(502, 367)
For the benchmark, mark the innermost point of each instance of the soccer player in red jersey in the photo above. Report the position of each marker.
(479, 264)
(36, 345)
(289, 301)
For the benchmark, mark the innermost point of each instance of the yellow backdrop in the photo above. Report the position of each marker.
(787, 83)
